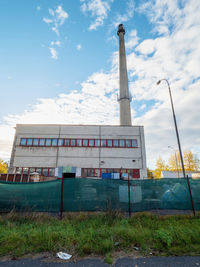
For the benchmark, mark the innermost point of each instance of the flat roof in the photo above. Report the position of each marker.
(21, 124)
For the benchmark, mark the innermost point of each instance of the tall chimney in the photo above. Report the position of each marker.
(124, 97)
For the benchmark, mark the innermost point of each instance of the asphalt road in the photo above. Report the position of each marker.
(186, 261)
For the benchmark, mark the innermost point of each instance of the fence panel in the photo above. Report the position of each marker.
(99, 195)
(42, 196)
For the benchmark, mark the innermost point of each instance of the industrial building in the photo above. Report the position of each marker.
(84, 150)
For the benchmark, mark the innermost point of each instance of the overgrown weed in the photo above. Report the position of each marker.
(99, 233)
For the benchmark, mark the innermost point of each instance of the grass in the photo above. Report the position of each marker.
(100, 234)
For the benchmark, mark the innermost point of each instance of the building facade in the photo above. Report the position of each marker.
(90, 149)
(94, 149)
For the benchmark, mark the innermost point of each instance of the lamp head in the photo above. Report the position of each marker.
(158, 82)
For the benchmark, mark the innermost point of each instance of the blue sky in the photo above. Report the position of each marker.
(59, 64)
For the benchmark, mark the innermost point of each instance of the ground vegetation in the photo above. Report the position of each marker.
(99, 234)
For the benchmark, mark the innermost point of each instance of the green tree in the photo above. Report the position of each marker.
(3, 166)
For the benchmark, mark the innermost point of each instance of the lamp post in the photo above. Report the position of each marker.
(176, 128)
(175, 159)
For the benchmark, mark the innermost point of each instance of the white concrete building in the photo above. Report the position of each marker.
(93, 148)
(90, 149)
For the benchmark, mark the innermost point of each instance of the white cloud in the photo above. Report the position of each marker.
(98, 9)
(132, 39)
(46, 20)
(174, 55)
(38, 8)
(54, 54)
(77, 107)
(58, 43)
(58, 17)
(6, 141)
(143, 106)
(127, 15)
(78, 47)
(61, 15)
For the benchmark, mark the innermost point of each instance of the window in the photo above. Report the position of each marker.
(103, 142)
(32, 170)
(79, 142)
(91, 142)
(42, 141)
(115, 143)
(109, 170)
(48, 142)
(29, 141)
(136, 173)
(45, 171)
(36, 141)
(91, 172)
(121, 143)
(85, 142)
(54, 142)
(67, 142)
(23, 142)
(128, 143)
(84, 172)
(18, 170)
(97, 173)
(134, 143)
(51, 172)
(103, 171)
(60, 142)
(97, 142)
(38, 170)
(109, 142)
(130, 173)
(25, 170)
(73, 142)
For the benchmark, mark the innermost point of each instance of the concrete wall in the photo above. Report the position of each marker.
(84, 157)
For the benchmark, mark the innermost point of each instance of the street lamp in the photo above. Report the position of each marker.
(175, 158)
(176, 128)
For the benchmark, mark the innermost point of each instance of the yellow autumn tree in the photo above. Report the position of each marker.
(191, 163)
(3, 167)
(175, 162)
(160, 166)
(150, 174)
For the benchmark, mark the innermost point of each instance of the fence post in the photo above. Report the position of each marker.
(190, 195)
(129, 196)
(61, 198)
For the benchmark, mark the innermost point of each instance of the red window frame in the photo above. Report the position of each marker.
(74, 143)
(132, 143)
(56, 142)
(69, 140)
(89, 142)
(85, 139)
(27, 141)
(99, 142)
(81, 142)
(64, 144)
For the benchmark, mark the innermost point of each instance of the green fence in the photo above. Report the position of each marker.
(99, 195)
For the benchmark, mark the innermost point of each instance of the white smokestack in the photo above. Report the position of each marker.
(124, 97)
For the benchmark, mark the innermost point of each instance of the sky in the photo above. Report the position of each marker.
(59, 65)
